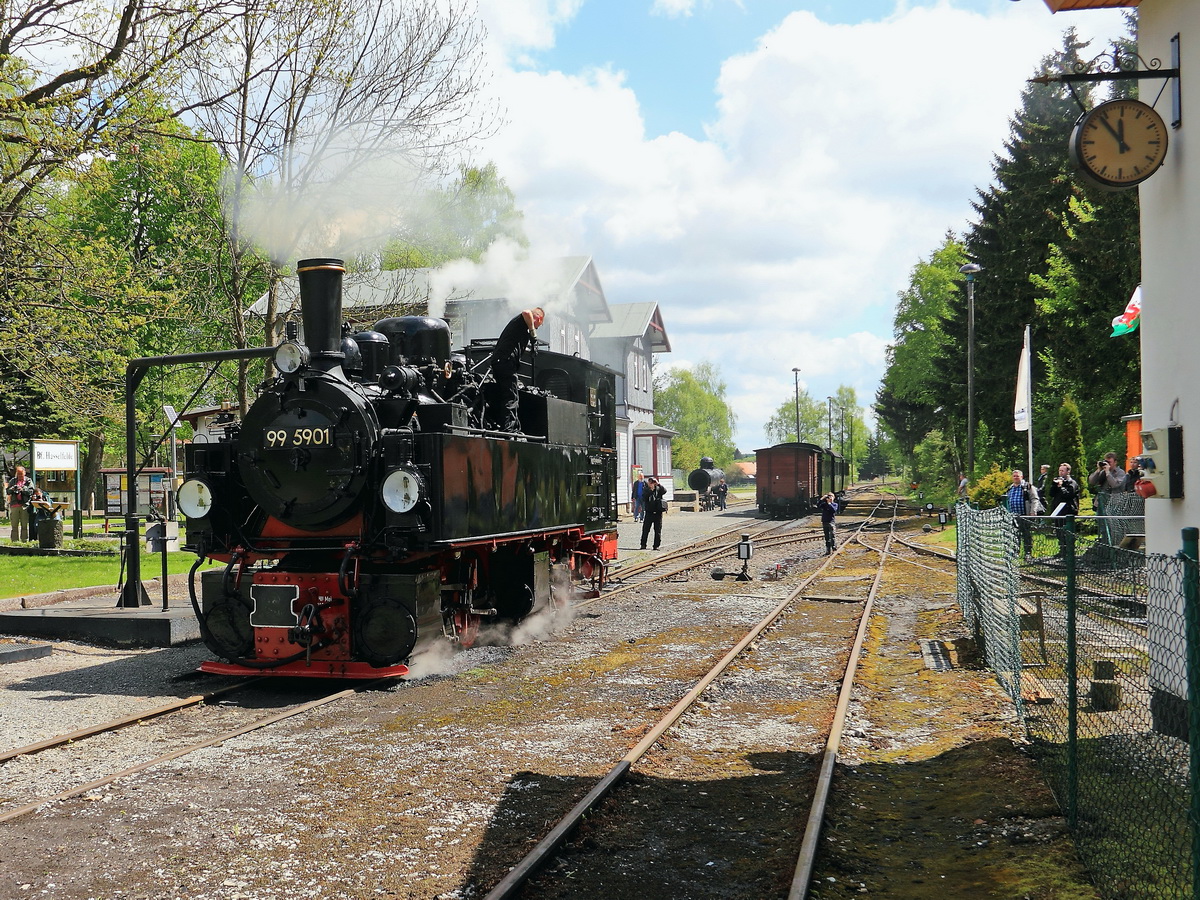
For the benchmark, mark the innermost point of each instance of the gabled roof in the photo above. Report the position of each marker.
(569, 281)
(634, 320)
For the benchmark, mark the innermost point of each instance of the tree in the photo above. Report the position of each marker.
(875, 463)
(1091, 275)
(130, 244)
(692, 402)
(782, 424)
(1020, 216)
(53, 114)
(329, 115)
(466, 219)
(1066, 444)
(909, 401)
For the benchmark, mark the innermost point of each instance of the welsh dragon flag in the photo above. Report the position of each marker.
(1128, 321)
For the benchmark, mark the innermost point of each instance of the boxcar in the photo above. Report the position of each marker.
(791, 477)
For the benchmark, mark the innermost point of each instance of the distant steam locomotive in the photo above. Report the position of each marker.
(362, 510)
(704, 480)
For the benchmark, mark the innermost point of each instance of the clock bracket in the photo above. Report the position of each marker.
(1107, 67)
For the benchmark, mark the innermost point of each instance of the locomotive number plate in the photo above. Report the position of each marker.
(298, 437)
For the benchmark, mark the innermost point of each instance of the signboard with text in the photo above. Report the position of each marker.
(55, 456)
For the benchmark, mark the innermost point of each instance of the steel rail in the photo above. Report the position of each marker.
(17, 812)
(520, 873)
(812, 828)
(116, 724)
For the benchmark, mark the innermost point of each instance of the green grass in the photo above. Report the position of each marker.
(23, 576)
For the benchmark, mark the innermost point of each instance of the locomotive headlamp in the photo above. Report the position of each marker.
(194, 498)
(291, 357)
(401, 490)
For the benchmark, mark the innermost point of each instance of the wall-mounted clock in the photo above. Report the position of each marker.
(1119, 144)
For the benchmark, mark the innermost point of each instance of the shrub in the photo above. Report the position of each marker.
(989, 490)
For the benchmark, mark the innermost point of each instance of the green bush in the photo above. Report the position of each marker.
(989, 490)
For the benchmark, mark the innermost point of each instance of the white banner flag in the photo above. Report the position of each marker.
(1022, 411)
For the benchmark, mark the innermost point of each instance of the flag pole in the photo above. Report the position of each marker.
(1029, 395)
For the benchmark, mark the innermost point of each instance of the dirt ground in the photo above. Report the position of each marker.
(430, 791)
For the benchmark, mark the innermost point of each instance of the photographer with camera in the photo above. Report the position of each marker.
(1108, 478)
(1064, 493)
(20, 492)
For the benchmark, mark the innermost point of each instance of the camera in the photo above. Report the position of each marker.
(1101, 464)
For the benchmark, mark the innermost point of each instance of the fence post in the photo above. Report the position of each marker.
(1191, 625)
(1068, 547)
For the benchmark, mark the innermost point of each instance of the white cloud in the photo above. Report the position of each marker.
(516, 27)
(838, 155)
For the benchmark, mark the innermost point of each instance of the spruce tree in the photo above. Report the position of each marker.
(1020, 215)
(1066, 446)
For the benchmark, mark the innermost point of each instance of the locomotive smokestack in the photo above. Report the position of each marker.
(321, 309)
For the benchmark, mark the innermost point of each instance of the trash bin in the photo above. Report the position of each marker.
(50, 534)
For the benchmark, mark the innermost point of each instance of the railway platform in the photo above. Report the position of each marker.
(93, 615)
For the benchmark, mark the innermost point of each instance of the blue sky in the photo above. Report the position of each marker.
(767, 172)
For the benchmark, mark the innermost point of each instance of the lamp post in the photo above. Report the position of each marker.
(850, 461)
(842, 431)
(970, 270)
(830, 399)
(796, 372)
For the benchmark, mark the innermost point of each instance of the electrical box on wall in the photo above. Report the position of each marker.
(1161, 463)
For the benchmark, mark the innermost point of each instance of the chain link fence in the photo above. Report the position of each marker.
(1089, 637)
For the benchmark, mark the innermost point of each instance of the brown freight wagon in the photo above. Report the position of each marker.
(792, 477)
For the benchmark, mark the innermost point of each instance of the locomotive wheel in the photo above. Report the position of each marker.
(227, 631)
(466, 628)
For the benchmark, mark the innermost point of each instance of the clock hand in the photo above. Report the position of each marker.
(1121, 135)
(1120, 138)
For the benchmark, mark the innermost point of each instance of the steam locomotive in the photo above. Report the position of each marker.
(704, 480)
(362, 509)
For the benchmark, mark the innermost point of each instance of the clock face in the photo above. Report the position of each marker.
(1119, 144)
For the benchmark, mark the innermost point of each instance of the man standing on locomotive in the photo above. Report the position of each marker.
(503, 395)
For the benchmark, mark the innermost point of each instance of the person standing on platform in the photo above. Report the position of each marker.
(653, 505)
(637, 496)
(1017, 501)
(20, 492)
(828, 507)
(722, 492)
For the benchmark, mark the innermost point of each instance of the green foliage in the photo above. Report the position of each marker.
(1066, 444)
(1020, 228)
(989, 490)
(1090, 277)
(782, 425)
(692, 402)
(875, 463)
(935, 467)
(461, 223)
(908, 399)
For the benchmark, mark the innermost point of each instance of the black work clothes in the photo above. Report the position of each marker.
(653, 516)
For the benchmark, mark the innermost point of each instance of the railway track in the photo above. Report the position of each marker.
(47, 771)
(434, 787)
(616, 815)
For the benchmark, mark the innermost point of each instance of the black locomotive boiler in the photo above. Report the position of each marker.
(361, 509)
(704, 481)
